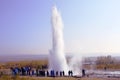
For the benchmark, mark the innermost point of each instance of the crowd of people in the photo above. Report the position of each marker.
(21, 71)
(28, 71)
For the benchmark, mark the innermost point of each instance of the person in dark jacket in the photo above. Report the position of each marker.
(56, 73)
(47, 73)
(83, 72)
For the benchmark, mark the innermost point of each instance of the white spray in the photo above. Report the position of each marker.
(75, 64)
(57, 61)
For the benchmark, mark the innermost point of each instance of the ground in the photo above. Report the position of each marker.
(52, 78)
(71, 78)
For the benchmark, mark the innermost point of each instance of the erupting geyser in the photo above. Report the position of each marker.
(57, 61)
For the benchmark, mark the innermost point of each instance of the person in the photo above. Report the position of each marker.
(16, 69)
(37, 72)
(1, 73)
(83, 72)
(105, 68)
(47, 73)
(56, 73)
(29, 69)
(60, 73)
(69, 73)
(43, 73)
(33, 72)
(52, 73)
(13, 71)
(23, 71)
(63, 73)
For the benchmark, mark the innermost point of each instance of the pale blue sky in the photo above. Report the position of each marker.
(90, 26)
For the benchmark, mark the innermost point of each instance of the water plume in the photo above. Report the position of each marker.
(57, 61)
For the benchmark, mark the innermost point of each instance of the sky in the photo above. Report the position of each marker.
(91, 27)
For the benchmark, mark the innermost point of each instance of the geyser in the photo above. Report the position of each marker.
(57, 61)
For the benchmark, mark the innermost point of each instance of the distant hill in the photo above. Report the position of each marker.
(22, 57)
(6, 58)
